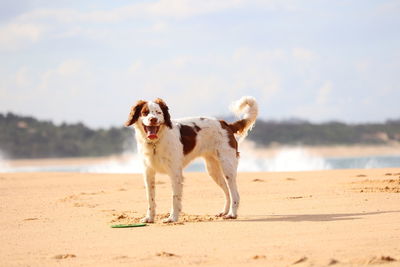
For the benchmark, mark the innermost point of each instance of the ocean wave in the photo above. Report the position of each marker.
(131, 163)
(287, 159)
(4, 167)
(251, 160)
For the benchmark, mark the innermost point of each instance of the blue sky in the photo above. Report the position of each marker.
(90, 61)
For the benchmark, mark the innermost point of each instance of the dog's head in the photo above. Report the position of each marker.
(150, 117)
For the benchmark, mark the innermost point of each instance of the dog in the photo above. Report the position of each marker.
(167, 146)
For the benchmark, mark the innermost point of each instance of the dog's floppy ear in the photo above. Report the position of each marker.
(164, 108)
(135, 113)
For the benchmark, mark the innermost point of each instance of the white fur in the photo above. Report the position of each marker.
(247, 106)
(165, 155)
(155, 112)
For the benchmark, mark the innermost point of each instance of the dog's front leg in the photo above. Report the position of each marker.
(149, 181)
(177, 186)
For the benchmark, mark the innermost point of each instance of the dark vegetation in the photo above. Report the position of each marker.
(298, 132)
(27, 137)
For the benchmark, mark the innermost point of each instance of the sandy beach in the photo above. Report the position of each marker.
(321, 218)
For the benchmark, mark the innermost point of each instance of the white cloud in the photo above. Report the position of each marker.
(158, 27)
(303, 54)
(391, 7)
(22, 78)
(324, 106)
(176, 50)
(363, 66)
(189, 82)
(247, 54)
(69, 80)
(324, 92)
(175, 9)
(15, 35)
(136, 66)
(66, 69)
(34, 25)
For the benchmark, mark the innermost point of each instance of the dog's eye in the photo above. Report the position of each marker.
(145, 113)
(158, 112)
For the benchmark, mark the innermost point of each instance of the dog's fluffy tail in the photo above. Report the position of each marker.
(248, 108)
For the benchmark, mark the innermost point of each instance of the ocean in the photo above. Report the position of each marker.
(290, 159)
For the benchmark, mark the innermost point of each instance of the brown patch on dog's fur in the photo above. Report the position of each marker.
(232, 140)
(145, 110)
(196, 127)
(165, 110)
(135, 113)
(188, 138)
(238, 126)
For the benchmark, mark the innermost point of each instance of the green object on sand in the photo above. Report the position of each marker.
(128, 225)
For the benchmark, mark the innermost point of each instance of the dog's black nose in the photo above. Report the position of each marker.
(153, 120)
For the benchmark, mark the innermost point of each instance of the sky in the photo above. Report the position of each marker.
(89, 61)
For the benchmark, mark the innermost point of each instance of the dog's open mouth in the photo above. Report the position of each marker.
(151, 131)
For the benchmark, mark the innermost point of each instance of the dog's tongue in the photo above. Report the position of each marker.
(151, 132)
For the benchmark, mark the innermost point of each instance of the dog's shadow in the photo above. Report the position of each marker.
(330, 217)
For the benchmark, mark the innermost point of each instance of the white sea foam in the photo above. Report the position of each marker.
(287, 159)
(251, 160)
(296, 159)
(4, 167)
(131, 163)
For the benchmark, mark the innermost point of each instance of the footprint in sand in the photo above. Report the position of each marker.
(381, 259)
(92, 193)
(64, 256)
(298, 197)
(259, 257)
(31, 219)
(70, 198)
(361, 175)
(123, 217)
(303, 259)
(166, 254)
(123, 257)
(84, 205)
(333, 262)
(79, 196)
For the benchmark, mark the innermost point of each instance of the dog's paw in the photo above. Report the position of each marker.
(230, 217)
(147, 220)
(170, 219)
(221, 214)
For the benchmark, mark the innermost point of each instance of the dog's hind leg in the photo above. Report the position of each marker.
(177, 187)
(229, 165)
(215, 171)
(149, 181)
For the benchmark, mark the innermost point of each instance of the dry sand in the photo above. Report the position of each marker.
(340, 218)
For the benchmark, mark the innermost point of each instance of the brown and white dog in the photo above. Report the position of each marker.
(167, 146)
